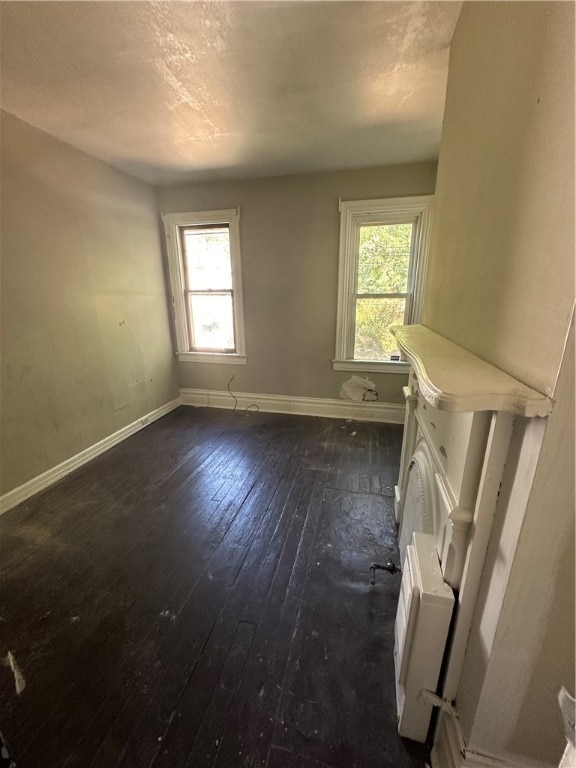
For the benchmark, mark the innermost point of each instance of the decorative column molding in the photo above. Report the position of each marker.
(408, 445)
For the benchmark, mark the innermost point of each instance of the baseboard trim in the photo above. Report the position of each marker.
(450, 751)
(38, 483)
(303, 406)
(389, 413)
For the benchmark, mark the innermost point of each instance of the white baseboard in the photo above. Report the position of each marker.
(23, 492)
(450, 751)
(303, 406)
(389, 413)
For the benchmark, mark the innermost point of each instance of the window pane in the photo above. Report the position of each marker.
(383, 258)
(373, 340)
(213, 321)
(207, 259)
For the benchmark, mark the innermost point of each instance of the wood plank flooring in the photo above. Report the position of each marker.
(198, 596)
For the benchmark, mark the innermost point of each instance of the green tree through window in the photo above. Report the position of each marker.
(382, 285)
(382, 267)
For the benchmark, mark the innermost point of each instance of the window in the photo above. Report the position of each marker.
(383, 248)
(206, 283)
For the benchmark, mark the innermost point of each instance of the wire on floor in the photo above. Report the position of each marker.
(252, 408)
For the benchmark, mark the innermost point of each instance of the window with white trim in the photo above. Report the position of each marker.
(383, 251)
(206, 283)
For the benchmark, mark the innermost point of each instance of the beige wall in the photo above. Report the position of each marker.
(501, 283)
(85, 333)
(289, 230)
(501, 274)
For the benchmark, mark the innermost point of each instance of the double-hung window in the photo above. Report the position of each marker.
(383, 250)
(206, 282)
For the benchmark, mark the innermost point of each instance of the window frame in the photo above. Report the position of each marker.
(174, 225)
(353, 215)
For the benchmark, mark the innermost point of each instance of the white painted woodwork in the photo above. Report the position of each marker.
(421, 510)
(353, 215)
(40, 482)
(367, 366)
(522, 636)
(408, 444)
(460, 415)
(457, 442)
(505, 193)
(492, 471)
(312, 406)
(389, 413)
(452, 379)
(172, 225)
(440, 466)
(507, 450)
(450, 750)
(422, 621)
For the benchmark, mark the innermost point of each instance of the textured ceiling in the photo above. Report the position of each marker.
(171, 91)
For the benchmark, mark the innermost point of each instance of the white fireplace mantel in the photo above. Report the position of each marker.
(453, 379)
(468, 447)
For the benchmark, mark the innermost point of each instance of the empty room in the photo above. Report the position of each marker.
(287, 384)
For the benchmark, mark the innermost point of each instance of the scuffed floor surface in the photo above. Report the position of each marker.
(198, 596)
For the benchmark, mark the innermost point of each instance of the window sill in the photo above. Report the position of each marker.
(212, 357)
(374, 366)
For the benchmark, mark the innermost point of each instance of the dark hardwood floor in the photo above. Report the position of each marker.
(198, 596)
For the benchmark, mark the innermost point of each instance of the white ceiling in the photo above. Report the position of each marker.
(176, 91)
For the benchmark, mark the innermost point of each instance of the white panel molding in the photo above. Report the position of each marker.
(390, 413)
(487, 497)
(450, 750)
(40, 482)
(408, 445)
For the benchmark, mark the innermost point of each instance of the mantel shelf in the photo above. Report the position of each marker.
(453, 379)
